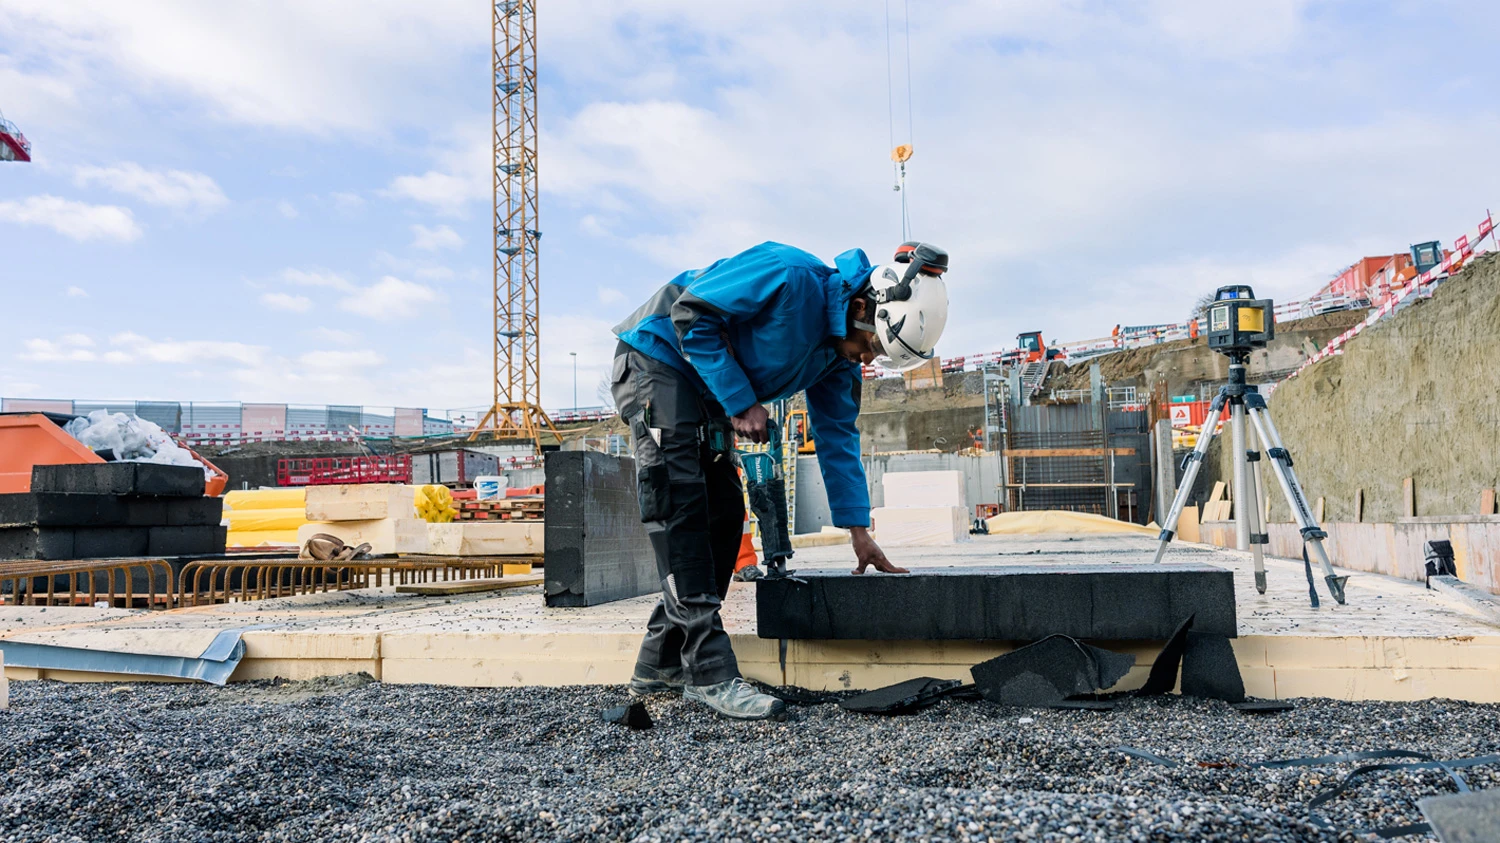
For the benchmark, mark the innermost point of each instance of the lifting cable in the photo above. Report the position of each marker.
(899, 154)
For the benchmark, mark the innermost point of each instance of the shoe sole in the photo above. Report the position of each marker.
(653, 689)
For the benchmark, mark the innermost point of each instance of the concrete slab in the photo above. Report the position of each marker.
(1394, 640)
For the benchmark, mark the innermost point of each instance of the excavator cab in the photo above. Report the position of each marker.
(801, 431)
(1426, 255)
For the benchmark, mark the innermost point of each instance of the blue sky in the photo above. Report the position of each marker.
(289, 202)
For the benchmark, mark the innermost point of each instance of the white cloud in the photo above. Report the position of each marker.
(432, 239)
(609, 295)
(79, 340)
(286, 209)
(301, 67)
(170, 188)
(345, 201)
(76, 220)
(47, 351)
(388, 300)
(444, 191)
(130, 347)
(287, 302)
(316, 278)
(77, 293)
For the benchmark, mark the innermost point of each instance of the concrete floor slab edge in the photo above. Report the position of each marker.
(1273, 667)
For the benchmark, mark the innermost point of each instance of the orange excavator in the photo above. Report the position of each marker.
(1031, 348)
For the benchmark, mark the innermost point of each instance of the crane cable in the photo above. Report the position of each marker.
(898, 161)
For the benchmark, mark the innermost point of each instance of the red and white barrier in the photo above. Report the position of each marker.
(1464, 248)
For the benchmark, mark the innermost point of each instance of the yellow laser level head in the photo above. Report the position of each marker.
(1239, 322)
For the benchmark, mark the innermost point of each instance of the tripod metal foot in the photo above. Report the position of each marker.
(1260, 581)
(1336, 587)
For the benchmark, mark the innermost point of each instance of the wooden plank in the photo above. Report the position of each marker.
(1487, 502)
(1318, 511)
(1187, 525)
(442, 589)
(1409, 498)
(1218, 492)
(1069, 452)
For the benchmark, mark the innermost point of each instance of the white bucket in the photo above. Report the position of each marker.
(491, 486)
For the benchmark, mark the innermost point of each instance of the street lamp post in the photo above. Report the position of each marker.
(575, 380)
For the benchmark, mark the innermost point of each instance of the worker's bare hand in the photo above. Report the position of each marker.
(869, 553)
(751, 424)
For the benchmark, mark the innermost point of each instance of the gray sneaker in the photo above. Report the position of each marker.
(649, 680)
(737, 699)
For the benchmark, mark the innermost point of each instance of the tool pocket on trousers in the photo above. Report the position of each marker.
(653, 484)
(655, 492)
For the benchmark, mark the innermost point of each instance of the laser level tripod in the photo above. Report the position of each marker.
(1237, 323)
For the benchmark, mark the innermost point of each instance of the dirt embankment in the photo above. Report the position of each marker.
(1415, 396)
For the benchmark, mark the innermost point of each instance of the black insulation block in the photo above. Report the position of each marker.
(597, 550)
(59, 509)
(119, 478)
(186, 541)
(1007, 603)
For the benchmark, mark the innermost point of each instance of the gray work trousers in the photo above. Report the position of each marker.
(694, 512)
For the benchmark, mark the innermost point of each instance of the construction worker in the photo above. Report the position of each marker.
(698, 359)
(1115, 335)
(1193, 328)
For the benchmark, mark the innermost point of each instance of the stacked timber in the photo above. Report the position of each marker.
(383, 515)
(108, 510)
(529, 508)
(386, 517)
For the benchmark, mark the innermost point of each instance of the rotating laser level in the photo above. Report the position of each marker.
(1238, 323)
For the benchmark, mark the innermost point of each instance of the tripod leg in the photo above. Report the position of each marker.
(1256, 518)
(1241, 469)
(1281, 463)
(1190, 464)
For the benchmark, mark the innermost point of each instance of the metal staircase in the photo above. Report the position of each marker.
(1032, 376)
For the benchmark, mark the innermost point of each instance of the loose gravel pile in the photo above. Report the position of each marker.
(351, 759)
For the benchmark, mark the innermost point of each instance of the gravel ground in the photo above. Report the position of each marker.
(351, 759)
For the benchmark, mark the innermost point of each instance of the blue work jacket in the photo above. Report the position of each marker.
(758, 327)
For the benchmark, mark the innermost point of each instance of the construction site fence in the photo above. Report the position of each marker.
(231, 423)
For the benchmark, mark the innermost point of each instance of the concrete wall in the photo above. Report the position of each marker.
(946, 429)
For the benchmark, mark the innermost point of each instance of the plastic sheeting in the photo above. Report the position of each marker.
(130, 438)
(266, 499)
(260, 538)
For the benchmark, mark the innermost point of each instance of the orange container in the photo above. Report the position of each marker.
(32, 439)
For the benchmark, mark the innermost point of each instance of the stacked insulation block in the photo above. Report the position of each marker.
(922, 508)
(106, 510)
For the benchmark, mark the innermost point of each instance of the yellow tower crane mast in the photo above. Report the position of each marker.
(517, 410)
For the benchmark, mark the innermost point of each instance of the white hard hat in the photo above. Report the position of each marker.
(910, 306)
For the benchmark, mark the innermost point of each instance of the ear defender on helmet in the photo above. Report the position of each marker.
(908, 304)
